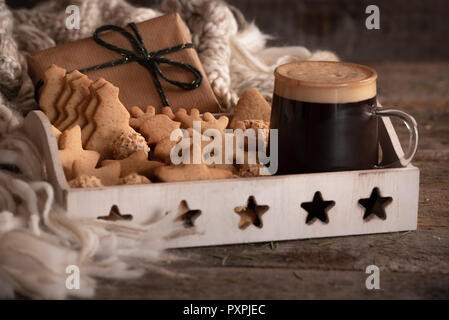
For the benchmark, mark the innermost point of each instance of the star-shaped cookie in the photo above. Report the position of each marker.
(189, 172)
(136, 163)
(109, 174)
(72, 150)
(163, 149)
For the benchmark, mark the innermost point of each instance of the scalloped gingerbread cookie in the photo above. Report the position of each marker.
(54, 80)
(65, 94)
(86, 119)
(80, 92)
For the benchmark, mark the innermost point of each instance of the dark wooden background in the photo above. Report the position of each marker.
(410, 30)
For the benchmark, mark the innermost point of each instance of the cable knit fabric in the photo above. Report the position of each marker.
(37, 239)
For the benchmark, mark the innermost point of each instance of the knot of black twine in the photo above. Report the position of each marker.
(150, 60)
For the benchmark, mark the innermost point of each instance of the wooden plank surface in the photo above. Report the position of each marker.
(412, 265)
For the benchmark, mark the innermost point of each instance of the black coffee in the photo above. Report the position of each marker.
(327, 116)
(318, 137)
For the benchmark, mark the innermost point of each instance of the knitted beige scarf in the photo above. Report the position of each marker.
(37, 240)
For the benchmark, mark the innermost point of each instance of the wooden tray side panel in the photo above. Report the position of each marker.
(39, 130)
(218, 223)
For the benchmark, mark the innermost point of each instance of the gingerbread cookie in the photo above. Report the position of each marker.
(158, 128)
(136, 163)
(56, 133)
(206, 149)
(168, 112)
(80, 119)
(80, 92)
(72, 150)
(214, 154)
(187, 119)
(210, 122)
(128, 143)
(251, 106)
(134, 178)
(86, 121)
(249, 170)
(163, 149)
(66, 94)
(231, 147)
(108, 174)
(261, 128)
(138, 117)
(111, 120)
(189, 172)
(85, 182)
(229, 167)
(54, 80)
(193, 148)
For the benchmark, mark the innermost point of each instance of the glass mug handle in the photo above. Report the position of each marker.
(412, 127)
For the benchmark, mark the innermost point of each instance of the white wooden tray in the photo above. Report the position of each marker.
(218, 222)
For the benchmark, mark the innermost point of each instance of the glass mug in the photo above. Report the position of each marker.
(327, 116)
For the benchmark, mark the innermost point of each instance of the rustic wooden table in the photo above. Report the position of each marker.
(413, 264)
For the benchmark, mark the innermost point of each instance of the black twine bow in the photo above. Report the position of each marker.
(150, 60)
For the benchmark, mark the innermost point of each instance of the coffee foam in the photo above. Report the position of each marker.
(325, 82)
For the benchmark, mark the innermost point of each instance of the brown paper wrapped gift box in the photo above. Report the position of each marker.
(134, 81)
